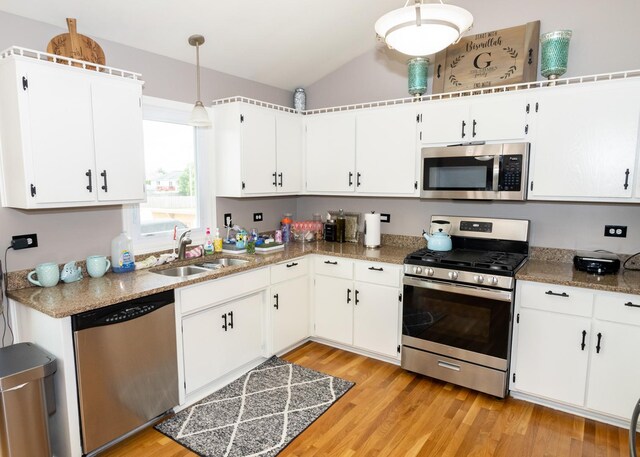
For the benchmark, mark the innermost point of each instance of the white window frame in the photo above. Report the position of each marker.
(160, 109)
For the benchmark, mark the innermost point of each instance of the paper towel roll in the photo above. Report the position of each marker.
(372, 230)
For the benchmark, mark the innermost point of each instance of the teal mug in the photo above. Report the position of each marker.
(48, 275)
(97, 265)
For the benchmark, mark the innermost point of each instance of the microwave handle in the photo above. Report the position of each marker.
(497, 159)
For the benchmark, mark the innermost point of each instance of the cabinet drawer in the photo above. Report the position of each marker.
(555, 298)
(334, 266)
(195, 297)
(289, 270)
(383, 274)
(621, 308)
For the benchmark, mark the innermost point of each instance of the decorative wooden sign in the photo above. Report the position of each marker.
(497, 58)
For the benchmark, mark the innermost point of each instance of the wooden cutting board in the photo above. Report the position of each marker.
(76, 46)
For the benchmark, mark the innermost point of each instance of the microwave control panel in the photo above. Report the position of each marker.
(510, 173)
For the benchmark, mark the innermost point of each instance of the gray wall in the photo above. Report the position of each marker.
(604, 36)
(65, 235)
(559, 225)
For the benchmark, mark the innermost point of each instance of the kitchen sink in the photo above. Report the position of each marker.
(183, 272)
(222, 262)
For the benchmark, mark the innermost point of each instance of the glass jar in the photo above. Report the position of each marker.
(286, 227)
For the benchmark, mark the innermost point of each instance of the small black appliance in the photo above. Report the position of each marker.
(597, 262)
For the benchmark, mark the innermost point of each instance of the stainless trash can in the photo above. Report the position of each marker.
(26, 400)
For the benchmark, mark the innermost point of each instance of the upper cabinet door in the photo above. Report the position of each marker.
(60, 133)
(444, 122)
(586, 141)
(258, 127)
(386, 151)
(289, 152)
(119, 149)
(498, 117)
(330, 152)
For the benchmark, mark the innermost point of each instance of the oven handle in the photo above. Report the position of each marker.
(501, 295)
(496, 172)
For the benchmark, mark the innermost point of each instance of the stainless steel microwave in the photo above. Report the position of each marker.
(475, 171)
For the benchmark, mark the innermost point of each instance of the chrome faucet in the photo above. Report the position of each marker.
(184, 241)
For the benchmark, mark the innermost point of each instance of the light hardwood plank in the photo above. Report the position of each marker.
(393, 412)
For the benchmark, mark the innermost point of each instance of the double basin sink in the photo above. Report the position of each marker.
(190, 270)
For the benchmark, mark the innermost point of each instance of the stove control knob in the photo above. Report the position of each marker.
(417, 270)
(430, 272)
(453, 275)
(478, 278)
(493, 280)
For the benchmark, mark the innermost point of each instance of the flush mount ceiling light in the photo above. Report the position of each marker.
(199, 116)
(423, 29)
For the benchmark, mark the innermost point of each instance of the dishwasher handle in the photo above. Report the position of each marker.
(121, 312)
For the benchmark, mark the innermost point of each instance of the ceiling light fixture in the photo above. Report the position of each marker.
(423, 29)
(199, 116)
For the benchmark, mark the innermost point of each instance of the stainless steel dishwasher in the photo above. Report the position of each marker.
(126, 366)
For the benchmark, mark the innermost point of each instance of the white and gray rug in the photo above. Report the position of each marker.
(258, 414)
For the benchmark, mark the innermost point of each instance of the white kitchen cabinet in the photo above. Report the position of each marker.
(357, 304)
(386, 151)
(330, 151)
(585, 142)
(551, 362)
(220, 339)
(290, 303)
(368, 152)
(572, 346)
(70, 137)
(258, 150)
(333, 299)
(494, 117)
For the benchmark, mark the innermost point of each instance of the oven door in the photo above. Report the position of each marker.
(465, 172)
(463, 322)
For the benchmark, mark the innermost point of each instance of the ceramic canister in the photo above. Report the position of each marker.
(48, 275)
(97, 265)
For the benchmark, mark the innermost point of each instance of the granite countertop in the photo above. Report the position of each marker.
(564, 273)
(89, 293)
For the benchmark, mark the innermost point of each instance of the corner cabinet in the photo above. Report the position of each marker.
(258, 150)
(70, 136)
(585, 145)
(365, 152)
(572, 346)
(357, 304)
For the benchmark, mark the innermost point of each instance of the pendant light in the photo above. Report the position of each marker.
(199, 116)
(423, 29)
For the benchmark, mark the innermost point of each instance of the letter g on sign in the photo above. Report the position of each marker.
(477, 61)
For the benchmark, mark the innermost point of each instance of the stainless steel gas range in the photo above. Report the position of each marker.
(458, 304)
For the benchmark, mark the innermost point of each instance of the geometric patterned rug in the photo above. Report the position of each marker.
(258, 414)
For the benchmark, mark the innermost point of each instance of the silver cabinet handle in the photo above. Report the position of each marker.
(448, 366)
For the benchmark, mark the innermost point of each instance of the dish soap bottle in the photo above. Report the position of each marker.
(122, 258)
(208, 244)
(217, 241)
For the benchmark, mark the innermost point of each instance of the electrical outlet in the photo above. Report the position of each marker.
(617, 231)
(257, 217)
(385, 217)
(227, 220)
(24, 241)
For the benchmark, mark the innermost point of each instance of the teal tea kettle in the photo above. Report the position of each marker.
(438, 238)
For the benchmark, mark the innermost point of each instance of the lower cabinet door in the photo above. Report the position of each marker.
(204, 340)
(614, 378)
(375, 318)
(221, 339)
(290, 312)
(550, 360)
(334, 309)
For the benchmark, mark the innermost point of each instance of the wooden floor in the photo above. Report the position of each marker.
(392, 412)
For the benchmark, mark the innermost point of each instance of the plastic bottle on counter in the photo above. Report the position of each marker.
(122, 258)
(286, 227)
(341, 222)
(217, 241)
(208, 243)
